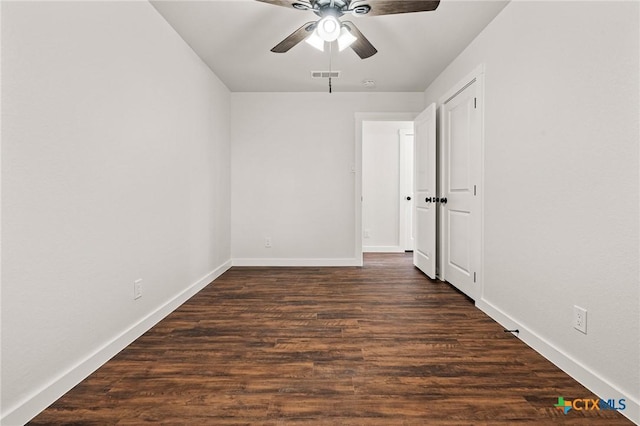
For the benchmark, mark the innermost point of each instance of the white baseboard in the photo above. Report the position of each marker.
(297, 262)
(596, 384)
(44, 397)
(382, 249)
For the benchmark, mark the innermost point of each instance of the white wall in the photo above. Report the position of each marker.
(115, 166)
(381, 171)
(292, 180)
(561, 183)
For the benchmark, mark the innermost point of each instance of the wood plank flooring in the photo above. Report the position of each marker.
(378, 345)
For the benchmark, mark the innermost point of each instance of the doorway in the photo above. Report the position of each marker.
(356, 168)
(387, 186)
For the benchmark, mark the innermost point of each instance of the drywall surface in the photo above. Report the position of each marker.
(561, 179)
(293, 173)
(115, 167)
(381, 175)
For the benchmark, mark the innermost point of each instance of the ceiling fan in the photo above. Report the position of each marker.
(329, 28)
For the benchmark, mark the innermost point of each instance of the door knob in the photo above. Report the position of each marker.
(408, 198)
(427, 200)
(443, 200)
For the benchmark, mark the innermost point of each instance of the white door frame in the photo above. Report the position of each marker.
(476, 75)
(356, 169)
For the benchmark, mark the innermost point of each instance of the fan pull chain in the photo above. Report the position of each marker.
(330, 55)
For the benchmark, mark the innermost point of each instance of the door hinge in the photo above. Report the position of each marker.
(474, 277)
(474, 190)
(475, 103)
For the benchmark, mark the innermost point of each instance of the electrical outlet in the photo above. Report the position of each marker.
(137, 289)
(267, 242)
(580, 319)
(367, 233)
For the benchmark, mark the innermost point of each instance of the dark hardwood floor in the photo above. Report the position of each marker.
(378, 345)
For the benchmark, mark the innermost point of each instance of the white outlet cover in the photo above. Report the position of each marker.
(137, 289)
(580, 319)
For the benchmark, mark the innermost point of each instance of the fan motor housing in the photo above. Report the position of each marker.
(338, 4)
(335, 8)
(328, 11)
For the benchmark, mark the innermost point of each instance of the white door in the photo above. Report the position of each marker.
(461, 144)
(424, 252)
(406, 189)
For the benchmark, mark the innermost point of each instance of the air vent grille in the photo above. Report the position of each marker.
(325, 74)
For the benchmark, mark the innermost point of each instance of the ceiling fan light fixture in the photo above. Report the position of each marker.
(315, 40)
(346, 39)
(328, 28)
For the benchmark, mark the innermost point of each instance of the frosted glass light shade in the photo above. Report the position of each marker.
(315, 40)
(346, 39)
(328, 28)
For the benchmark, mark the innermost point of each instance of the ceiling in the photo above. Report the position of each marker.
(234, 38)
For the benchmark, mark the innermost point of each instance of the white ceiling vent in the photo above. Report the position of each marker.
(325, 74)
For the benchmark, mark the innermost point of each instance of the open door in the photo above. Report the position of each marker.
(425, 205)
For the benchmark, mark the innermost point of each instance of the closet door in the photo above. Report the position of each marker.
(461, 144)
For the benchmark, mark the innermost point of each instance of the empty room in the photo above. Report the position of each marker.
(332, 212)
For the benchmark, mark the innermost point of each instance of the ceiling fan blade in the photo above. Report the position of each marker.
(361, 46)
(392, 7)
(293, 4)
(295, 37)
